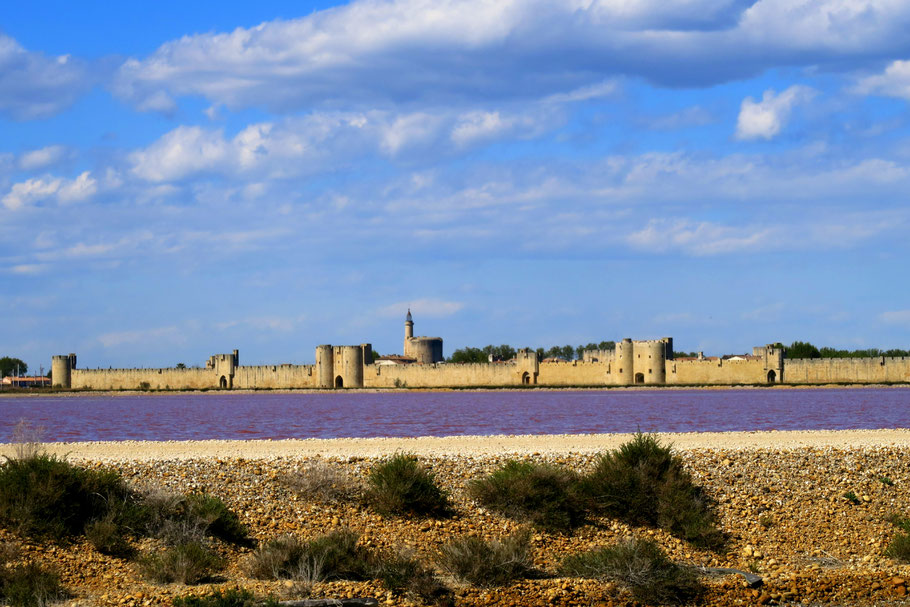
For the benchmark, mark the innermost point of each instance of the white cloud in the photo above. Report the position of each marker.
(698, 238)
(181, 152)
(475, 126)
(427, 308)
(401, 51)
(42, 158)
(43, 188)
(35, 85)
(893, 82)
(81, 188)
(764, 119)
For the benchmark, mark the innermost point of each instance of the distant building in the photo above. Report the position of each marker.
(36, 381)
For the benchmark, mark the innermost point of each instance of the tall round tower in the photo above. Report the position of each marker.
(657, 362)
(408, 333)
(325, 366)
(61, 370)
(624, 361)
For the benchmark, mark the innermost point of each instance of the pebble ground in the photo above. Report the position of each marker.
(784, 510)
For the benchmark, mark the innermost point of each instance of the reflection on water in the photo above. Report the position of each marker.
(343, 414)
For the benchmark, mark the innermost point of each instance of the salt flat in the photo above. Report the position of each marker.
(463, 445)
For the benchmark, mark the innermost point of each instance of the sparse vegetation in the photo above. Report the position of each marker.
(321, 482)
(188, 563)
(232, 597)
(402, 572)
(483, 562)
(332, 556)
(401, 486)
(886, 481)
(29, 585)
(108, 537)
(644, 483)
(766, 521)
(899, 548)
(544, 495)
(641, 567)
(44, 496)
(851, 497)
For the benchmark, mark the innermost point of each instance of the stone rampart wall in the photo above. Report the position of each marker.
(836, 370)
(719, 372)
(574, 373)
(131, 379)
(276, 377)
(443, 375)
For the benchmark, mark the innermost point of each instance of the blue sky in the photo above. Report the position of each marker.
(177, 181)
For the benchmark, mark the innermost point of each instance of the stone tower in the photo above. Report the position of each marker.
(408, 328)
(425, 350)
(62, 366)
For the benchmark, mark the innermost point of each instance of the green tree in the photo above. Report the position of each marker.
(802, 349)
(10, 366)
(181, 366)
(468, 355)
(503, 352)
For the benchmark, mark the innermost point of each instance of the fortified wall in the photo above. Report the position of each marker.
(630, 362)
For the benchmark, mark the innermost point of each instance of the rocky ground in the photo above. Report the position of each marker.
(784, 509)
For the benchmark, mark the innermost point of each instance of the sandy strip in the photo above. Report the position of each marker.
(463, 445)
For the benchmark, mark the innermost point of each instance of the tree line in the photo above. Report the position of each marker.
(804, 349)
(507, 352)
(12, 366)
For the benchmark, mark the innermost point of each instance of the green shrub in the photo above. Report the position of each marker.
(488, 563)
(641, 567)
(188, 563)
(851, 497)
(901, 522)
(232, 597)
(190, 518)
(108, 537)
(43, 496)
(644, 483)
(401, 486)
(899, 548)
(29, 585)
(332, 556)
(544, 495)
(219, 521)
(404, 573)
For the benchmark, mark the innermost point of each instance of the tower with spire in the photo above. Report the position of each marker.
(424, 350)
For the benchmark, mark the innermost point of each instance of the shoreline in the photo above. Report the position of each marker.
(349, 391)
(465, 446)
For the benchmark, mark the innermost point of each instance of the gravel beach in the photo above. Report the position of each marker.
(780, 497)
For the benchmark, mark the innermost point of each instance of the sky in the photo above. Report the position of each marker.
(177, 181)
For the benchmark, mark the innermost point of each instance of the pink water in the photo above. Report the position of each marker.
(352, 414)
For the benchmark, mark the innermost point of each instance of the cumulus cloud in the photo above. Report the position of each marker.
(42, 158)
(403, 51)
(35, 85)
(893, 82)
(764, 119)
(43, 188)
(324, 141)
